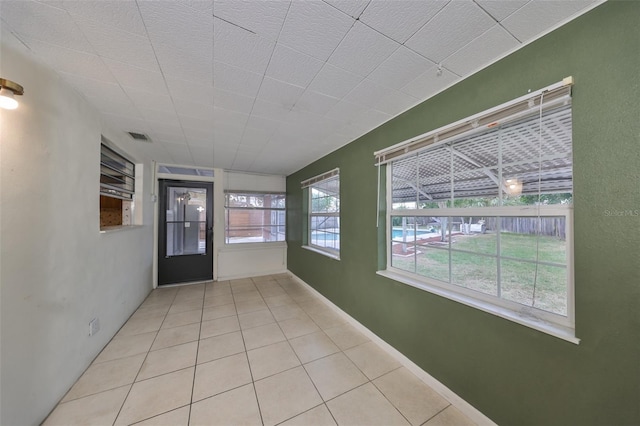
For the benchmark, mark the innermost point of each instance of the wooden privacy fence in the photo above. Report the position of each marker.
(549, 226)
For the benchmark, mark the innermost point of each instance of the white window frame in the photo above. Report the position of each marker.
(309, 185)
(550, 323)
(271, 209)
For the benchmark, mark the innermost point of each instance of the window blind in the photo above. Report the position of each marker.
(117, 174)
(530, 104)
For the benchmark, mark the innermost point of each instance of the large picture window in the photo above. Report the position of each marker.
(487, 215)
(324, 212)
(254, 217)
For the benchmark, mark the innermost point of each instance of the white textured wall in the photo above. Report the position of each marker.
(57, 271)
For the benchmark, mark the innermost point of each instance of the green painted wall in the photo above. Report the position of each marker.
(513, 374)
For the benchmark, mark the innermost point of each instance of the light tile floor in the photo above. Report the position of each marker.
(260, 351)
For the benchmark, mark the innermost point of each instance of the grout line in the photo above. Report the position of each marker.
(195, 361)
(246, 356)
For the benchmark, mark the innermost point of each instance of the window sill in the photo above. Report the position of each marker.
(112, 229)
(331, 255)
(254, 246)
(555, 330)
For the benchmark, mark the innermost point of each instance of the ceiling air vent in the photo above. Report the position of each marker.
(140, 137)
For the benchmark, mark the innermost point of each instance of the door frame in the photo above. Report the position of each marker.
(218, 210)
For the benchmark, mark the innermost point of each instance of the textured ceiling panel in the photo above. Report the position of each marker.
(280, 93)
(362, 50)
(236, 79)
(400, 68)
(292, 66)
(452, 28)
(534, 17)
(353, 8)
(315, 102)
(481, 51)
(500, 9)
(400, 23)
(131, 76)
(120, 45)
(236, 46)
(264, 18)
(315, 28)
(430, 82)
(43, 22)
(71, 61)
(123, 15)
(266, 86)
(333, 81)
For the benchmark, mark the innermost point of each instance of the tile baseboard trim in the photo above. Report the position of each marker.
(469, 410)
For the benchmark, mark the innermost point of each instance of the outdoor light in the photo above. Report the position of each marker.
(8, 91)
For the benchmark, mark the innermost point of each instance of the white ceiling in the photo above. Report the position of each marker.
(268, 86)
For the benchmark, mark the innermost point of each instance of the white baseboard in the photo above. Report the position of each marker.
(250, 275)
(455, 400)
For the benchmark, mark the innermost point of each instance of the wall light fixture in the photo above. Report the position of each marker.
(8, 91)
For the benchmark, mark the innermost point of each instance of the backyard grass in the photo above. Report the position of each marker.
(480, 273)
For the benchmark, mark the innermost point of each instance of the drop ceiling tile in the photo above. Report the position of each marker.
(204, 6)
(220, 138)
(269, 110)
(184, 65)
(354, 8)
(96, 88)
(139, 78)
(362, 50)
(234, 79)
(452, 28)
(429, 83)
(120, 45)
(197, 134)
(315, 28)
(367, 93)
(264, 18)
(500, 9)
(280, 93)
(127, 123)
(167, 131)
(335, 82)
(536, 17)
(395, 102)
(45, 23)
(315, 102)
(176, 24)
(403, 66)
(159, 100)
(293, 67)
(263, 124)
(196, 127)
(482, 51)
(241, 48)
(400, 23)
(191, 91)
(70, 61)
(232, 101)
(167, 139)
(237, 119)
(111, 106)
(164, 117)
(345, 111)
(193, 109)
(123, 15)
(253, 136)
(244, 161)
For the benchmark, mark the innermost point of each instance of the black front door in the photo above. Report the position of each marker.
(185, 234)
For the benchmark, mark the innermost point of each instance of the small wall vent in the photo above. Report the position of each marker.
(139, 136)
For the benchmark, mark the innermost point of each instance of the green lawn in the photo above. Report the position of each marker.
(480, 272)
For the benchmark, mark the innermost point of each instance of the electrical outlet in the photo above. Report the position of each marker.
(94, 326)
